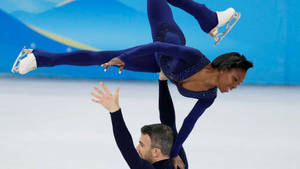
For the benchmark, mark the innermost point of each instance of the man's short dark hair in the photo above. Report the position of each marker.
(231, 60)
(161, 136)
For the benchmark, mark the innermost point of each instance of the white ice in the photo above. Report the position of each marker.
(52, 124)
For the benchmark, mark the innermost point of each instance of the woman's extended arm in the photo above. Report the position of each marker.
(189, 122)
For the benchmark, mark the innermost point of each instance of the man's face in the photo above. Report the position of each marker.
(144, 148)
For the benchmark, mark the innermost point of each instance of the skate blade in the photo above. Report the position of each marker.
(236, 16)
(15, 66)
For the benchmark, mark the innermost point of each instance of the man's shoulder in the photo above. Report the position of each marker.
(163, 164)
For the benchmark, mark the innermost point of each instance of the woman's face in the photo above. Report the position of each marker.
(230, 79)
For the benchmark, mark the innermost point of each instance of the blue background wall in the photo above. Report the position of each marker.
(267, 34)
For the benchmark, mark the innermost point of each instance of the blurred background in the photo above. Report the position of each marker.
(48, 121)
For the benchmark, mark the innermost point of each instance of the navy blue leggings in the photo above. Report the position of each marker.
(163, 28)
(206, 18)
(88, 58)
(159, 12)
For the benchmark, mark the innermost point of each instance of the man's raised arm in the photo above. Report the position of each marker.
(122, 136)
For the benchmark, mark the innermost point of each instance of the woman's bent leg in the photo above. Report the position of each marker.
(206, 18)
(162, 23)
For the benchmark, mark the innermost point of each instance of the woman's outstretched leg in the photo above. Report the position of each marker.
(208, 20)
(76, 58)
(39, 58)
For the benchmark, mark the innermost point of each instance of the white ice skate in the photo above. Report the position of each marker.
(25, 65)
(224, 17)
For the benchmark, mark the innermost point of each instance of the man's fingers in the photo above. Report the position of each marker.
(96, 101)
(98, 90)
(95, 95)
(105, 88)
(117, 91)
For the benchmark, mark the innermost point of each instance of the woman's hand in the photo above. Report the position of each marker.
(177, 162)
(114, 62)
(106, 98)
(162, 76)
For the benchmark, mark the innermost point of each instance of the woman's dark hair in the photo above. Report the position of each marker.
(231, 60)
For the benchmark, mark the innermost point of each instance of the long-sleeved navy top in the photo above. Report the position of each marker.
(178, 63)
(124, 141)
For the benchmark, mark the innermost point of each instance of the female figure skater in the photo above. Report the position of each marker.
(186, 67)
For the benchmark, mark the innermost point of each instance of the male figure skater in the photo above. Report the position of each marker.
(156, 140)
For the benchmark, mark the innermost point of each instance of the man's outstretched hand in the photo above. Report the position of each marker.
(108, 100)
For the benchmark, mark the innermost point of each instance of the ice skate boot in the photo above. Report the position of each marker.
(25, 65)
(224, 17)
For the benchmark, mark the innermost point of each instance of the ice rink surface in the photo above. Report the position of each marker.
(52, 124)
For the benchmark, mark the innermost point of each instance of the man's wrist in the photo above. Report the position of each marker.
(114, 110)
